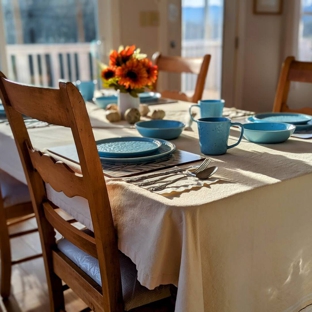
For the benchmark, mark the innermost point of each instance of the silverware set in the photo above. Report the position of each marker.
(158, 181)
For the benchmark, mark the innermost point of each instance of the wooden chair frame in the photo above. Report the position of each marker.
(9, 216)
(65, 106)
(177, 64)
(296, 71)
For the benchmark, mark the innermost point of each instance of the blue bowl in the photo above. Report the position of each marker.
(268, 132)
(160, 129)
(103, 101)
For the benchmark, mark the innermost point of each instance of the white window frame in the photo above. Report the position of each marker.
(301, 56)
(3, 58)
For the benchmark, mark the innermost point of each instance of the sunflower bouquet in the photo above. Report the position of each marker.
(129, 71)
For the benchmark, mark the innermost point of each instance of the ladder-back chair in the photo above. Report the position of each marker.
(15, 207)
(295, 71)
(178, 64)
(90, 264)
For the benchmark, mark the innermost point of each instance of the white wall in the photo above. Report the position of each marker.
(262, 59)
(136, 26)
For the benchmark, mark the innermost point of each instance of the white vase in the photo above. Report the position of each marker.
(125, 101)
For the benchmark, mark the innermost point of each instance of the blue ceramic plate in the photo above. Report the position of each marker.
(160, 129)
(292, 118)
(104, 100)
(164, 151)
(268, 132)
(299, 128)
(127, 147)
(146, 97)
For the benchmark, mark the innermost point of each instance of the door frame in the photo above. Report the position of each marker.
(108, 25)
(233, 52)
(3, 54)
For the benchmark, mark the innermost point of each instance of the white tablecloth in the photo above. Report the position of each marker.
(242, 244)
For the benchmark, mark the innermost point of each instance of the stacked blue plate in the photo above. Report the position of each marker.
(133, 149)
(104, 100)
(301, 121)
(147, 97)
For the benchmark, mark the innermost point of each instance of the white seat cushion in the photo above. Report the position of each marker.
(134, 294)
(13, 191)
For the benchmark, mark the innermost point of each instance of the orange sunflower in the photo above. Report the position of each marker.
(121, 57)
(108, 73)
(132, 74)
(151, 71)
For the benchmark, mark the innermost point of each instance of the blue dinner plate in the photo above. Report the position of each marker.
(146, 97)
(127, 147)
(292, 118)
(104, 100)
(304, 127)
(164, 151)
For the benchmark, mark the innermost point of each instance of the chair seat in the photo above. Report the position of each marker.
(134, 294)
(13, 191)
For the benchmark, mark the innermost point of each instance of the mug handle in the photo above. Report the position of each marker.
(241, 134)
(190, 112)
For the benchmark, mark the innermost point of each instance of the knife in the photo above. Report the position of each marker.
(158, 174)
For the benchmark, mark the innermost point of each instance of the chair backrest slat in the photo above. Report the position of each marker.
(300, 72)
(79, 238)
(177, 64)
(292, 71)
(64, 179)
(40, 102)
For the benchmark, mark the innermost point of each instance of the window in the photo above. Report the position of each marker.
(49, 40)
(305, 31)
(202, 33)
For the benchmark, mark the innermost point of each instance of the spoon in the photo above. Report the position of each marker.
(206, 173)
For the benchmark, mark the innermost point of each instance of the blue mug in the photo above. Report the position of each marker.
(209, 108)
(214, 133)
(86, 89)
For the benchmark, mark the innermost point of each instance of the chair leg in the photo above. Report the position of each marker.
(5, 250)
(55, 288)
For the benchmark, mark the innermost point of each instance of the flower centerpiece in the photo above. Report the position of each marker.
(131, 73)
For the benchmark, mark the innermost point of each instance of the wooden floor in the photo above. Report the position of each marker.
(29, 288)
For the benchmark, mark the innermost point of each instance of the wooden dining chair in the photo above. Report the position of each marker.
(88, 262)
(15, 207)
(177, 64)
(292, 71)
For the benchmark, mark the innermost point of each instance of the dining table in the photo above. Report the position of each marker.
(240, 243)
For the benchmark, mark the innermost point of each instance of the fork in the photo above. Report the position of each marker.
(204, 165)
(185, 173)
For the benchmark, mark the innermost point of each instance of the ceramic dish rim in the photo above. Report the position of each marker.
(181, 126)
(158, 144)
(289, 126)
(305, 118)
(142, 159)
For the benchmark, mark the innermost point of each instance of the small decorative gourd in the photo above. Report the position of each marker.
(158, 114)
(132, 115)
